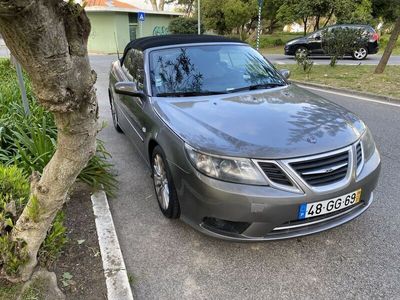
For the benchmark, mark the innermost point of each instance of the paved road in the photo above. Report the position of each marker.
(4, 52)
(170, 260)
(370, 60)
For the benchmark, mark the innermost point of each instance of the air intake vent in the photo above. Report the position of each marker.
(323, 171)
(275, 173)
(359, 155)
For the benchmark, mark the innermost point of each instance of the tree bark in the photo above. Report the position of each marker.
(316, 26)
(154, 5)
(389, 48)
(49, 39)
(329, 17)
(305, 20)
(161, 5)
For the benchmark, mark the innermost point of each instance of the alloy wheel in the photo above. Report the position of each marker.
(161, 181)
(302, 52)
(360, 53)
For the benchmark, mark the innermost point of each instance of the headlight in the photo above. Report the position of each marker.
(368, 144)
(239, 170)
(291, 43)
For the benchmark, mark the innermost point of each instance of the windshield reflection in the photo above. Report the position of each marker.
(211, 68)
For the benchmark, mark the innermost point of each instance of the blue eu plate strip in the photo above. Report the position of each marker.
(302, 211)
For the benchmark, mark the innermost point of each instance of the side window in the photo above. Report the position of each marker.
(134, 67)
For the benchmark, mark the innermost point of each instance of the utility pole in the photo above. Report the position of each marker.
(260, 4)
(25, 102)
(198, 18)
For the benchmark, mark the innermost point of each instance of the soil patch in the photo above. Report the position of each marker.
(79, 269)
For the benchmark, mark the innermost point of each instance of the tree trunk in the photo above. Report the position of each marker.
(161, 5)
(305, 25)
(154, 5)
(49, 39)
(329, 17)
(316, 26)
(389, 48)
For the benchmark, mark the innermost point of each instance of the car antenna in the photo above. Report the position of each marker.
(116, 44)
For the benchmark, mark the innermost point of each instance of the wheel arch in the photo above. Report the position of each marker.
(150, 148)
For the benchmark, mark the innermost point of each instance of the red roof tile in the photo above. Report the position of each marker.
(107, 3)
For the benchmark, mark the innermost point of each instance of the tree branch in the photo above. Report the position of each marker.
(13, 8)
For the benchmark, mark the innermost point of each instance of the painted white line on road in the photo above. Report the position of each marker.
(349, 95)
(117, 282)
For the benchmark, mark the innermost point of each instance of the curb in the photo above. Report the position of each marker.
(118, 287)
(346, 91)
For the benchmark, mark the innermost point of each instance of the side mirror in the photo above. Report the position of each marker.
(318, 37)
(285, 73)
(128, 88)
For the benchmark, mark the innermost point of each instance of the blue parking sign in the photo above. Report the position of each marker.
(141, 16)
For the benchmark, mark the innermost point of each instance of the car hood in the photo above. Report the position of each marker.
(301, 40)
(278, 123)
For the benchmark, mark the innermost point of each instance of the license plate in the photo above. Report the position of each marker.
(309, 210)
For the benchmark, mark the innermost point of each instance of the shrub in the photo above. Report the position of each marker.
(184, 26)
(341, 41)
(56, 239)
(14, 194)
(30, 141)
(304, 63)
(13, 255)
(273, 40)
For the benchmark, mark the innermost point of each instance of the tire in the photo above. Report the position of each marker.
(301, 50)
(114, 115)
(164, 185)
(360, 54)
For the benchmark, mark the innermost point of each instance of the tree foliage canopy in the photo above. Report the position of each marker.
(184, 26)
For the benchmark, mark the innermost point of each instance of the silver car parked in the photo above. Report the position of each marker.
(236, 150)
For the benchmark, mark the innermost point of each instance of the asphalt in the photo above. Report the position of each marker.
(170, 260)
(281, 59)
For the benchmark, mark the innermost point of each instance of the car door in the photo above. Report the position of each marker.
(315, 43)
(132, 107)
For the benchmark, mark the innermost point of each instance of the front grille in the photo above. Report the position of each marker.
(359, 154)
(324, 170)
(275, 173)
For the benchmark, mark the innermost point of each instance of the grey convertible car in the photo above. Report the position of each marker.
(235, 149)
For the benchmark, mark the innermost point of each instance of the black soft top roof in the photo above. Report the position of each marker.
(175, 39)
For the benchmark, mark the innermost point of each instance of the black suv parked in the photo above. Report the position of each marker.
(311, 44)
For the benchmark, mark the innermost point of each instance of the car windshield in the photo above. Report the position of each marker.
(210, 69)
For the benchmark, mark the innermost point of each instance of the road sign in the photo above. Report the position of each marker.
(260, 2)
(141, 16)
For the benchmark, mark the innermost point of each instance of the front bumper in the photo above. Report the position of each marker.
(290, 50)
(259, 213)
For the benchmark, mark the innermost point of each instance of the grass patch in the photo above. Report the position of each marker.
(36, 290)
(9, 291)
(383, 43)
(358, 78)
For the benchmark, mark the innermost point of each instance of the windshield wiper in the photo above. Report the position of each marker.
(190, 94)
(256, 87)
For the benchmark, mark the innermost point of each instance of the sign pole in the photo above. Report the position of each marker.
(198, 18)
(25, 102)
(260, 3)
(141, 17)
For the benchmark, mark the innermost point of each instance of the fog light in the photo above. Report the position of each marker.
(224, 225)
